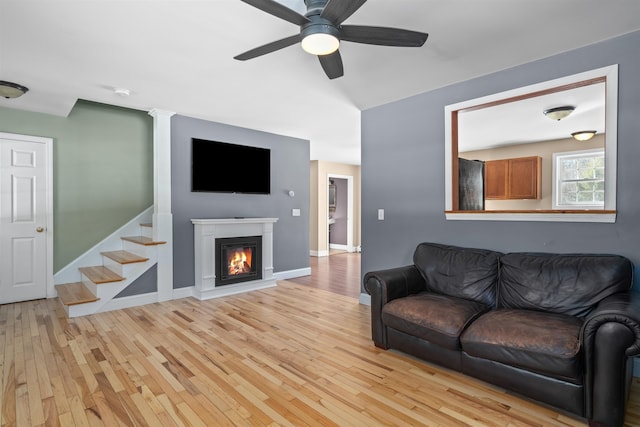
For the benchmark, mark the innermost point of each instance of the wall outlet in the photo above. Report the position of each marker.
(295, 212)
(380, 214)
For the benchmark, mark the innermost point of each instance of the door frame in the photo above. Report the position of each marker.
(349, 178)
(48, 143)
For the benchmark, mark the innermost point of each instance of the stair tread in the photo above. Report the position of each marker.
(75, 293)
(100, 274)
(146, 224)
(124, 257)
(142, 240)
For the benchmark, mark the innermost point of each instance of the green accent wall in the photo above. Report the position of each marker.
(102, 170)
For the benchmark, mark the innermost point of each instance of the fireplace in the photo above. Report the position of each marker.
(232, 255)
(239, 259)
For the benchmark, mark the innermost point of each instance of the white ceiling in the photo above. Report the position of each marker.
(177, 55)
(523, 121)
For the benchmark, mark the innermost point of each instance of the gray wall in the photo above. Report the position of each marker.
(289, 171)
(403, 168)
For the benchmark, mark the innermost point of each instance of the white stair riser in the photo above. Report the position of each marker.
(138, 249)
(146, 232)
(111, 289)
(93, 287)
(123, 270)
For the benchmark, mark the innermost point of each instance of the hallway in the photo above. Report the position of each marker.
(339, 273)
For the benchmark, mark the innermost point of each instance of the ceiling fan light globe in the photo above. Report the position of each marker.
(320, 44)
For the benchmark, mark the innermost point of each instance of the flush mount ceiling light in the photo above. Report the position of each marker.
(120, 91)
(12, 90)
(583, 135)
(559, 113)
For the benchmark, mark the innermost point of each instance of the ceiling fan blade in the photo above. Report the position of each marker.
(332, 64)
(268, 48)
(382, 36)
(278, 10)
(337, 11)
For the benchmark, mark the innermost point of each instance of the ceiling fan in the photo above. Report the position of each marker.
(321, 31)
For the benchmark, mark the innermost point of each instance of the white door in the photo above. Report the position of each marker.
(24, 217)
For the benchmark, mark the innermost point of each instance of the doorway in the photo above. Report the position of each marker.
(340, 213)
(26, 218)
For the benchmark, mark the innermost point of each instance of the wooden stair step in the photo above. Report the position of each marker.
(124, 257)
(142, 240)
(100, 274)
(75, 293)
(146, 224)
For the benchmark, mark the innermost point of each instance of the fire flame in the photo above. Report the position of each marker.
(239, 261)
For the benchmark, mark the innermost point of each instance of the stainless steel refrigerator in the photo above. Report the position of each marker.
(470, 185)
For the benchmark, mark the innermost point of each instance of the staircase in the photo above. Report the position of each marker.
(97, 285)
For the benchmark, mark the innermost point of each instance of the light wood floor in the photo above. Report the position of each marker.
(339, 273)
(290, 355)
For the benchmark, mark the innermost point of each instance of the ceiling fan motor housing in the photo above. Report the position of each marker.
(319, 25)
(314, 7)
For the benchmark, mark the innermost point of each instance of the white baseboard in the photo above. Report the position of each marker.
(184, 292)
(338, 247)
(364, 299)
(291, 274)
(319, 253)
(347, 248)
(130, 301)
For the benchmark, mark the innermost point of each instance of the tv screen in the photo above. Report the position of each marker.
(220, 167)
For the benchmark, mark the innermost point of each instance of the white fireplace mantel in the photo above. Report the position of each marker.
(206, 231)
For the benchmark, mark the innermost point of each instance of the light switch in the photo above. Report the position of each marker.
(295, 212)
(380, 214)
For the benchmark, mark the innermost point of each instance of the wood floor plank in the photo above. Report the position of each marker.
(297, 354)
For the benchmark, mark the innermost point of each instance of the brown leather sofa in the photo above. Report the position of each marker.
(557, 328)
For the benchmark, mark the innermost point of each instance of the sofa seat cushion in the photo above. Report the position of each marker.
(439, 319)
(545, 343)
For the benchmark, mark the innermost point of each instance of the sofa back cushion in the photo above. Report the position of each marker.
(460, 272)
(561, 283)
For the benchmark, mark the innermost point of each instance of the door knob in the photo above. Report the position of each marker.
(39, 229)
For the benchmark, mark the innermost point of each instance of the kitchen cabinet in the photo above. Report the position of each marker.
(518, 178)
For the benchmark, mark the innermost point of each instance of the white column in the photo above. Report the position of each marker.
(162, 216)
(267, 250)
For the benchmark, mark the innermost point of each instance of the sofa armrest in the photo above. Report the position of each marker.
(385, 286)
(609, 336)
(394, 283)
(623, 308)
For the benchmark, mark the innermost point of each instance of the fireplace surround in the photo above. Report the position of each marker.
(218, 263)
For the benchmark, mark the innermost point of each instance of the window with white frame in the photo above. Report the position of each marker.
(578, 179)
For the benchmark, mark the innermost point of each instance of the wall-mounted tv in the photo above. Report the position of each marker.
(221, 167)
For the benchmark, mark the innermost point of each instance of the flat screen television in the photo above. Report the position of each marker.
(221, 167)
